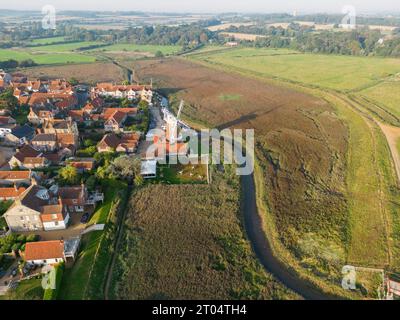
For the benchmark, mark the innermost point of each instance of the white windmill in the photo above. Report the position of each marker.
(172, 124)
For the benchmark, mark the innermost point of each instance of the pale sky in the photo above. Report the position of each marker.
(209, 6)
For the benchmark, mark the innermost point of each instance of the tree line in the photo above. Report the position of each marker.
(360, 42)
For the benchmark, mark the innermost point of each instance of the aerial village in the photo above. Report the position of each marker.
(54, 146)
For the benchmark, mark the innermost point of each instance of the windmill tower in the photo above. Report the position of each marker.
(172, 124)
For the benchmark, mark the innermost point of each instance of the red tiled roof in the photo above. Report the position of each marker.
(66, 139)
(11, 192)
(15, 175)
(44, 250)
(109, 112)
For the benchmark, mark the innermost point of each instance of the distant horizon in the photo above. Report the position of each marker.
(211, 13)
(369, 7)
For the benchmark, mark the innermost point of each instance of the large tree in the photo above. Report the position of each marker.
(126, 168)
(69, 175)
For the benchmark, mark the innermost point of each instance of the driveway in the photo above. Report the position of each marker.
(5, 280)
(74, 230)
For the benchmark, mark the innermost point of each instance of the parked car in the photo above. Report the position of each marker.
(14, 272)
(85, 218)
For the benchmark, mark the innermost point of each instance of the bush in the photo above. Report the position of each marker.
(32, 238)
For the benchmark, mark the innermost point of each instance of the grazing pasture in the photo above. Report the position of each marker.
(344, 73)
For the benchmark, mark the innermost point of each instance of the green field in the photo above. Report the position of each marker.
(335, 72)
(385, 95)
(166, 50)
(68, 52)
(45, 58)
(65, 47)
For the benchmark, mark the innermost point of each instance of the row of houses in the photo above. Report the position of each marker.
(130, 92)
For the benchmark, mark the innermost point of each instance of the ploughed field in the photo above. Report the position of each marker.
(187, 242)
(301, 145)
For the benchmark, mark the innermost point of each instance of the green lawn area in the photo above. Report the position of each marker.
(330, 71)
(76, 281)
(181, 174)
(27, 290)
(166, 50)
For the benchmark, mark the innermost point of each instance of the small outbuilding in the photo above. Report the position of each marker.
(149, 169)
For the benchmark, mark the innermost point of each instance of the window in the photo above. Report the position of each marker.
(22, 218)
(56, 223)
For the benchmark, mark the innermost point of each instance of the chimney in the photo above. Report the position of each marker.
(15, 187)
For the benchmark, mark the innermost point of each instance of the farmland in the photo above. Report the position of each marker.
(333, 72)
(166, 50)
(187, 242)
(85, 73)
(47, 51)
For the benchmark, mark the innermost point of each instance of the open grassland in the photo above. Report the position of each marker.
(187, 242)
(86, 279)
(384, 100)
(335, 72)
(85, 73)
